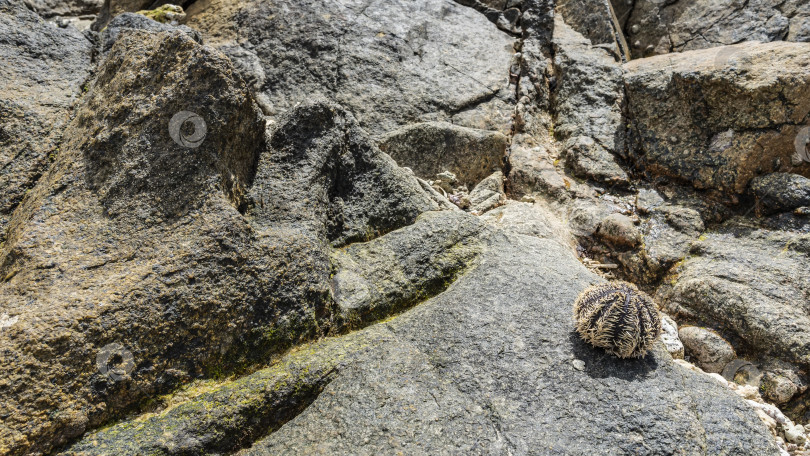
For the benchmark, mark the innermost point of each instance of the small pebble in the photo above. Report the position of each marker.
(795, 434)
(579, 364)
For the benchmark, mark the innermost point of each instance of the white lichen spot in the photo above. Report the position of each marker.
(6, 321)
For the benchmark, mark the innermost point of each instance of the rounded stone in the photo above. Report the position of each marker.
(619, 229)
(778, 388)
(710, 351)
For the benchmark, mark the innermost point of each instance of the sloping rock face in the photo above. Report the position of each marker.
(222, 259)
(440, 380)
(659, 27)
(716, 118)
(434, 147)
(748, 280)
(43, 71)
(390, 62)
(130, 268)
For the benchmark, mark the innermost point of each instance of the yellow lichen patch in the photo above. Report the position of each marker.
(166, 14)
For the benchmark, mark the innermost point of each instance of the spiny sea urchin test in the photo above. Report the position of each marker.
(618, 317)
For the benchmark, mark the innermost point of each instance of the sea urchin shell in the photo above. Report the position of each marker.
(618, 317)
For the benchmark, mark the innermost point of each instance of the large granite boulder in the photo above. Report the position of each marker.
(43, 70)
(490, 366)
(717, 122)
(171, 240)
(390, 63)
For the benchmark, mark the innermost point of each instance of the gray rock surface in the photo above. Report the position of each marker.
(149, 241)
(112, 8)
(747, 279)
(717, 123)
(50, 8)
(660, 27)
(596, 20)
(42, 74)
(619, 229)
(533, 170)
(781, 192)
(490, 366)
(470, 380)
(707, 348)
(665, 238)
(587, 103)
(530, 219)
(133, 21)
(375, 279)
(434, 147)
(488, 194)
(391, 63)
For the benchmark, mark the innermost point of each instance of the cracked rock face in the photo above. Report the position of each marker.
(746, 279)
(43, 71)
(439, 380)
(716, 118)
(390, 62)
(655, 27)
(135, 239)
(225, 241)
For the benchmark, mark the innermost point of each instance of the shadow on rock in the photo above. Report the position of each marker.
(600, 364)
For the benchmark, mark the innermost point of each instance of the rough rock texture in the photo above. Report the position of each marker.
(588, 103)
(391, 63)
(182, 242)
(718, 123)
(434, 147)
(135, 238)
(488, 194)
(665, 238)
(50, 8)
(781, 192)
(595, 20)
(747, 279)
(661, 26)
(375, 279)
(709, 350)
(452, 375)
(619, 229)
(112, 8)
(350, 191)
(533, 170)
(531, 220)
(43, 70)
(123, 22)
